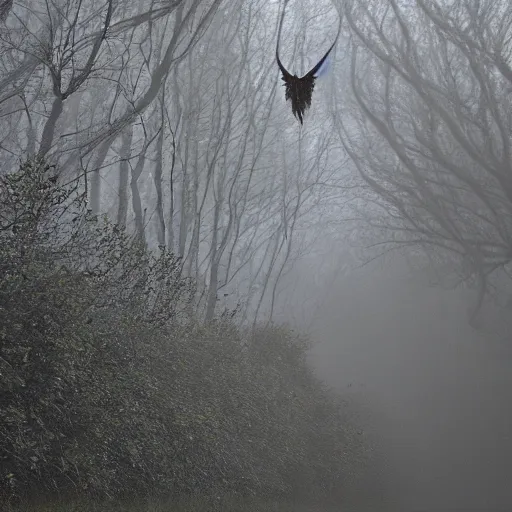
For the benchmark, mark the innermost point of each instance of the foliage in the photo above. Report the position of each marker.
(110, 388)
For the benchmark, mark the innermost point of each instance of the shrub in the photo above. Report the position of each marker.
(108, 388)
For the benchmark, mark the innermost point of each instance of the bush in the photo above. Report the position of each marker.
(108, 388)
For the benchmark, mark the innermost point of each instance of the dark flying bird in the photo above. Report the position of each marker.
(300, 90)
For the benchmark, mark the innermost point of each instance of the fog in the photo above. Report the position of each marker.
(436, 392)
(176, 227)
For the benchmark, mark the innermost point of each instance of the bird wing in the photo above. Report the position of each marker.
(285, 73)
(315, 70)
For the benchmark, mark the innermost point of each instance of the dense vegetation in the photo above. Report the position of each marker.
(111, 387)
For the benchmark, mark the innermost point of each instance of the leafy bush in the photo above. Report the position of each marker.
(109, 388)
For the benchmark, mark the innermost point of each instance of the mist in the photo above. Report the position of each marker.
(218, 293)
(435, 391)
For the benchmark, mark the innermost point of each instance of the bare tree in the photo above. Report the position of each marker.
(428, 127)
(171, 114)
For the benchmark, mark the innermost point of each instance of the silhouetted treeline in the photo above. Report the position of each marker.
(110, 387)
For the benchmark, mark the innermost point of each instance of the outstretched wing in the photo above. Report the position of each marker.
(313, 72)
(286, 74)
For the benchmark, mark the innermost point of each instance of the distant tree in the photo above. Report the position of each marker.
(428, 127)
(170, 113)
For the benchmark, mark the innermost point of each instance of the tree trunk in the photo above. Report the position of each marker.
(49, 127)
(124, 171)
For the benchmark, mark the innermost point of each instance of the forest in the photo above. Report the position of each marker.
(160, 207)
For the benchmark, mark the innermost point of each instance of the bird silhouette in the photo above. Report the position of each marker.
(299, 90)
